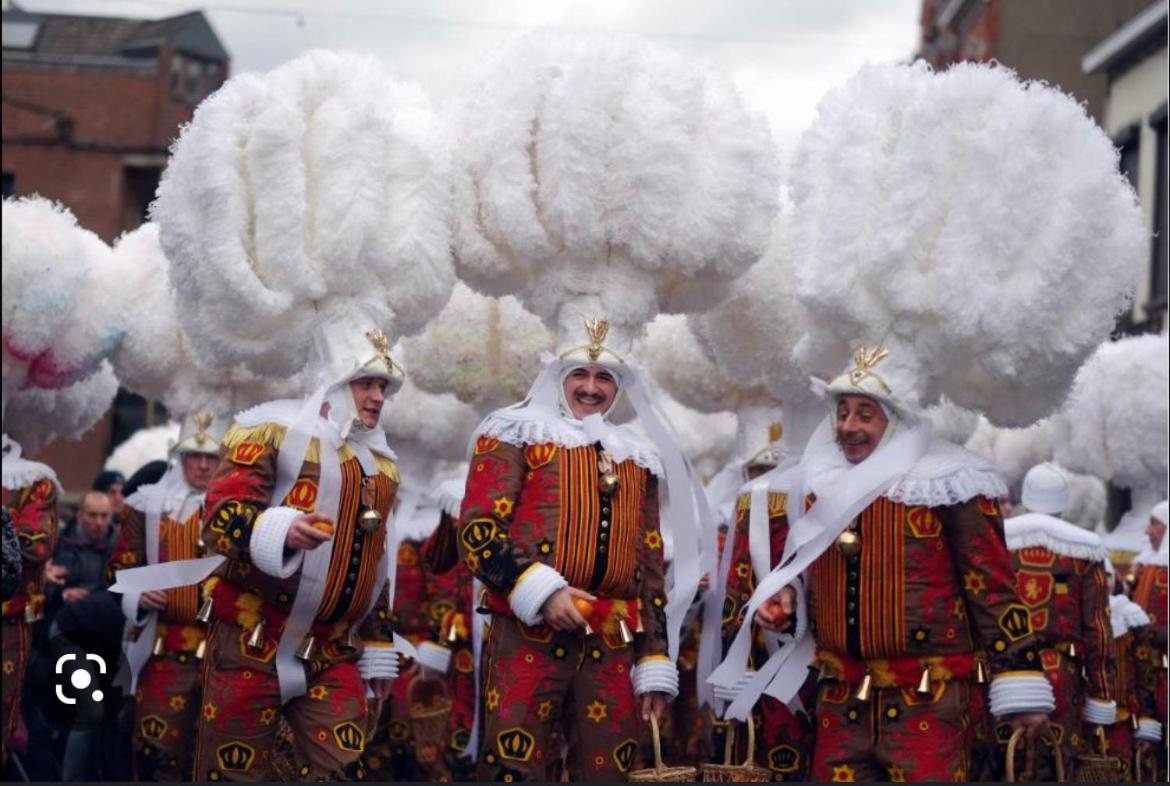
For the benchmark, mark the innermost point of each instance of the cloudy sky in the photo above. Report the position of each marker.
(783, 54)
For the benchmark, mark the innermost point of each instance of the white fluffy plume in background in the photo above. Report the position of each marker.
(976, 224)
(429, 432)
(37, 416)
(1115, 423)
(142, 447)
(1013, 451)
(484, 350)
(61, 311)
(322, 182)
(609, 167)
(954, 424)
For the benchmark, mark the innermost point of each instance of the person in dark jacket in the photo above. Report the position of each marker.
(83, 549)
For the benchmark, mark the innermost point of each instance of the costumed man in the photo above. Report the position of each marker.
(908, 577)
(299, 508)
(1127, 620)
(161, 522)
(1151, 569)
(560, 524)
(30, 491)
(784, 738)
(1061, 578)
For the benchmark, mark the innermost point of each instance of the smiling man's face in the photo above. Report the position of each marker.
(590, 390)
(861, 422)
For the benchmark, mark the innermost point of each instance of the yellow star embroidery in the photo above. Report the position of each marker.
(973, 582)
(493, 699)
(209, 711)
(844, 774)
(318, 692)
(267, 716)
(502, 507)
(652, 539)
(596, 711)
(178, 703)
(742, 570)
(9, 667)
(960, 609)
(544, 710)
(897, 775)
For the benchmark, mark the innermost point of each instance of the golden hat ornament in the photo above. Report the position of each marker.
(202, 431)
(878, 373)
(595, 351)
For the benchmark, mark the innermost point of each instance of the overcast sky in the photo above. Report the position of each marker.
(783, 54)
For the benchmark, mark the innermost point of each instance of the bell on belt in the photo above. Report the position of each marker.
(980, 673)
(1072, 649)
(31, 614)
(201, 649)
(200, 546)
(352, 639)
(624, 630)
(160, 645)
(865, 689)
(823, 672)
(305, 651)
(849, 543)
(370, 520)
(452, 634)
(609, 483)
(1165, 663)
(204, 615)
(256, 637)
(924, 687)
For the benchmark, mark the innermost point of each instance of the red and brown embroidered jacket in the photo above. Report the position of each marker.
(929, 587)
(741, 576)
(1152, 594)
(542, 504)
(34, 515)
(242, 489)
(1068, 603)
(177, 540)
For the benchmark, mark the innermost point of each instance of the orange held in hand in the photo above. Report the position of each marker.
(584, 607)
(324, 526)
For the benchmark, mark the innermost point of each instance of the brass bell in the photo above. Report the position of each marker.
(1072, 649)
(352, 639)
(849, 543)
(1130, 578)
(370, 520)
(980, 673)
(624, 630)
(305, 651)
(204, 615)
(160, 645)
(256, 637)
(1134, 722)
(31, 614)
(823, 672)
(200, 546)
(588, 630)
(1165, 662)
(924, 687)
(609, 483)
(452, 634)
(866, 687)
(201, 649)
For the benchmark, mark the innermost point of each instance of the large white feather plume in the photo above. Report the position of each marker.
(484, 350)
(609, 167)
(322, 183)
(1013, 451)
(142, 447)
(1115, 423)
(976, 224)
(37, 416)
(61, 309)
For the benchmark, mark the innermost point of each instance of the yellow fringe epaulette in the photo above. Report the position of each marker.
(272, 434)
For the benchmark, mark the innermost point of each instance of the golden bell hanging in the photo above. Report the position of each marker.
(849, 543)
(200, 546)
(201, 649)
(305, 651)
(452, 634)
(204, 615)
(351, 639)
(370, 520)
(256, 637)
(1165, 662)
(624, 630)
(160, 645)
(866, 688)
(1072, 649)
(588, 630)
(609, 483)
(980, 673)
(924, 687)
(31, 614)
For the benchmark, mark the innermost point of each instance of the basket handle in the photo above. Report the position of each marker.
(751, 747)
(657, 739)
(1010, 758)
(729, 743)
(417, 680)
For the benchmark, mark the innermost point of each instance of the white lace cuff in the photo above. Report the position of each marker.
(1019, 692)
(379, 661)
(267, 543)
(656, 674)
(434, 656)
(532, 589)
(1102, 713)
(1149, 730)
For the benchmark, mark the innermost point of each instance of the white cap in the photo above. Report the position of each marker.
(1046, 490)
(201, 432)
(1161, 512)
(349, 346)
(894, 385)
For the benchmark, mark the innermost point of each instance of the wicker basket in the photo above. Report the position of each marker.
(1145, 763)
(284, 754)
(660, 773)
(1099, 767)
(727, 772)
(1010, 758)
(429, 722)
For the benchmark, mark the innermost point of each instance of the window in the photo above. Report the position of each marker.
(19, 35)
(176, 77)
(1127, 144)
(194, 73)
(9, 185)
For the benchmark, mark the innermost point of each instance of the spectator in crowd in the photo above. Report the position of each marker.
(83, 548)
(113, 483)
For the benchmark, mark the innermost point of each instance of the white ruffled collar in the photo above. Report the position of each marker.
(1030, 530)
(1125, 615)
(1159, 558)
(17, 472)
